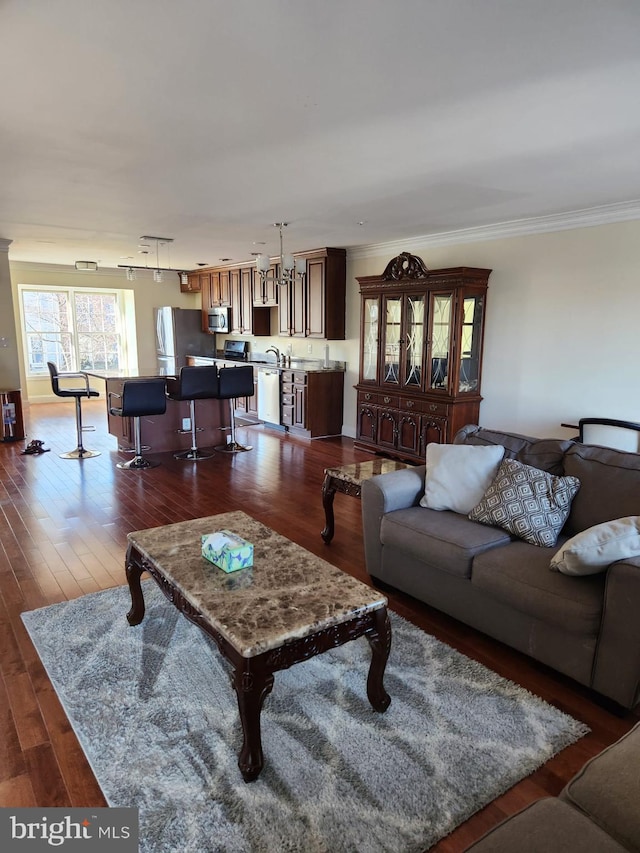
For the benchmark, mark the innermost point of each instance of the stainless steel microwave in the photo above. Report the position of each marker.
(219, 319)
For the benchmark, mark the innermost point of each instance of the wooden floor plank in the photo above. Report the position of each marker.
(63, 529)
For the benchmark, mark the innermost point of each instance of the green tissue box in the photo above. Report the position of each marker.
(227, 551)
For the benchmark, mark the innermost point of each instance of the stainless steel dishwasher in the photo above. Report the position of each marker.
(269, 395)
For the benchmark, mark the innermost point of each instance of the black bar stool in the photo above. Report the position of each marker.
(193, 383)
(235, 382)
(77, 392)
(139, 397)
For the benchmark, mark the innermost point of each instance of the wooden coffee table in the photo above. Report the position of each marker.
(348, 479)
(289, 606)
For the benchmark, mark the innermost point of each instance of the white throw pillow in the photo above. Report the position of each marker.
(592, 550)
(459, 474)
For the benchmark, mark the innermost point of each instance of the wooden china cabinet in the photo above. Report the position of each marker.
(420, 355)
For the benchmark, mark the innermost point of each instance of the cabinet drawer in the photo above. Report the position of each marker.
(287, 415)
(287, 376)
(430, 407)
(412, 405)
(367, 398)
(391, 400)
(287, 397)
(300, 377)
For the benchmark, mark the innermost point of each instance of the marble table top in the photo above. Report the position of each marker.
(360, 471)
(287, 593)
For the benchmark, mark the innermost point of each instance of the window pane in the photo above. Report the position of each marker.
(97, 324)
(47, 330)
(87, 338)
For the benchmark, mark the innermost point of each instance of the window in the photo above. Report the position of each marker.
(76, 329)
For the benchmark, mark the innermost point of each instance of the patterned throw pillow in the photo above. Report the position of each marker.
(530, 503)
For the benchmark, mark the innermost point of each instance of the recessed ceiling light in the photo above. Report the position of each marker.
(259, 243)
(224, 260)
(202, 264)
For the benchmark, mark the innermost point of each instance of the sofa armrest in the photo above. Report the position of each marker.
(616, 671)
(383, 494)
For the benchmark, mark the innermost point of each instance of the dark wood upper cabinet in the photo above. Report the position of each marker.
(315, 307)
(310, 308)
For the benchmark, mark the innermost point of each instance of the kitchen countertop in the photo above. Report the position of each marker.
(309, 365)
(144, 373)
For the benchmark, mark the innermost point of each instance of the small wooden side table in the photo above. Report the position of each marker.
(348, 479)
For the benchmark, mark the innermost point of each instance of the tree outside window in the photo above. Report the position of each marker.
(75, 329)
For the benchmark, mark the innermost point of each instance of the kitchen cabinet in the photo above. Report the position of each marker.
(192, 285)
(241, 280)
(310, 308)
(216, 289)
(265, 293)
(420, 355)
(315, 307)
(312, 402)
(234, 287)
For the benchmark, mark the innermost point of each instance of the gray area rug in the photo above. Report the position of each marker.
(156, 715)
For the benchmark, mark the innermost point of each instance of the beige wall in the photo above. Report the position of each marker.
(146, 295)
(9, 365)
(561, 334)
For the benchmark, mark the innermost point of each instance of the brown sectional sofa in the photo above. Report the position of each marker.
(597, 811)
(585, 627)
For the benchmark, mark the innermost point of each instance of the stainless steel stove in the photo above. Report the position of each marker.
(236, 350)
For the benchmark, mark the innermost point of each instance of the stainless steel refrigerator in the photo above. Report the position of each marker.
(179, 334)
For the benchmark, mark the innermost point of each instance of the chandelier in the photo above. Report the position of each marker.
(290, 268)
(143, 248)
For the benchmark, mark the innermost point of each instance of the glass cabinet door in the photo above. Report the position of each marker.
(470, 342)
(439, 355)
(370, 333)
(414, 339)
(392, 326)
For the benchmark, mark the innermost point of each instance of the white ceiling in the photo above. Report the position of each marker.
(357, 121)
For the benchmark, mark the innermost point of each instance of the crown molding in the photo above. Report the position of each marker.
(4, 244)
(587, 218)
(69, 269)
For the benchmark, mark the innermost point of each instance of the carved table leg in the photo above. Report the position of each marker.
(328, 493)
(252, 683)
(134, 571)
(380, 642)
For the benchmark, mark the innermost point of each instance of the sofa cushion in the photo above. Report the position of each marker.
(443, 539)
(593, 550)
(528, 502)
(457, 475)
(608, 485)
(608, 789)
(519, 576)
(544, 453)
(546, 826)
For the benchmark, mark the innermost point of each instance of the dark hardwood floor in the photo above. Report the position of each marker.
(63, 533)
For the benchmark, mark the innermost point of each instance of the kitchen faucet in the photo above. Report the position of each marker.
(279, 358)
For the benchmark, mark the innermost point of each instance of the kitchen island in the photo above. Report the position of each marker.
(168, 432)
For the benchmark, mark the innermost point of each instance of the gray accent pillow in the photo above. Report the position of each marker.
(527, 502)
